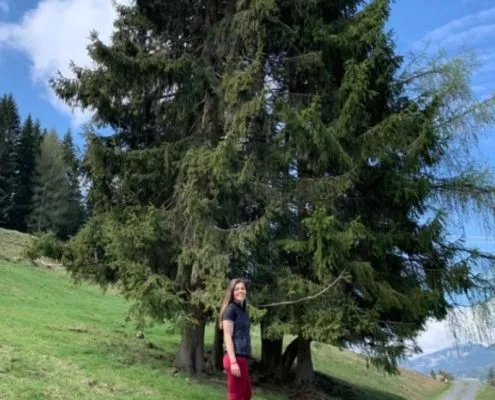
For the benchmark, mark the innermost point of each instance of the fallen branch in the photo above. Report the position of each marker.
(308, 298)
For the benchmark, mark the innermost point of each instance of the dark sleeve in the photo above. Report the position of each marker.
(230, 313)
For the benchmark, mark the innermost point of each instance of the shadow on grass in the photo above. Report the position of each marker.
(129, 351)
(325, 388)
(340, 389)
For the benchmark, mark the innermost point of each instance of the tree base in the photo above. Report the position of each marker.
(190, 356)
(299, 352)
(216, 363)
(271, 355)
(305, 374)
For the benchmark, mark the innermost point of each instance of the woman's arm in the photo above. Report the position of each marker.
(228, 330)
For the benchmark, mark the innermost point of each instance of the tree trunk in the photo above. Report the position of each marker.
(271, 352)
(271, 355)
(288, 358)
(190, 356)
(217, 350)
(304, 369)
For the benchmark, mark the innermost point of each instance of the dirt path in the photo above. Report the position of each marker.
(465, 389)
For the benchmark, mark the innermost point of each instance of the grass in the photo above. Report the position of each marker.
(13, 245)
(350, 371)
(62, 341)
(487, 392)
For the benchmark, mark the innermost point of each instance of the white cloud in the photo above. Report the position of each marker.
(55, 33)
(476, 34)
(436, 337)
(463, 30)
(463, 325)
(4, 6)
(471, 32)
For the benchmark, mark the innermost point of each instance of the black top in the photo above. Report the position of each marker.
(241, 338)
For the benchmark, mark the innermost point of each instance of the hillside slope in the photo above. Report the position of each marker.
(486, 393)
(12, 245)
(62, 341)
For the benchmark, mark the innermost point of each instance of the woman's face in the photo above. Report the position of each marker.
(239, 293)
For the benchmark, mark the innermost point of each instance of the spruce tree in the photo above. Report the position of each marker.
(250, 138)
(5, 168)
(75, 216)
(9, 142)
(366, 164)
(174, 165)
(27, 153)
(38, 134)
(51, 198)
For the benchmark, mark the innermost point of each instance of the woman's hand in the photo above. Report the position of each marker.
(235, 370)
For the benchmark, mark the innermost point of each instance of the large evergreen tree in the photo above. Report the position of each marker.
(75, 216)
(168, 166)
(27, 153)
(367, 175)
(250, 138)
(38, 133)
(51, 199)
(9, 143)
(5, 168)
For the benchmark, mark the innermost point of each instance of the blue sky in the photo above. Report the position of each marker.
(40, 37)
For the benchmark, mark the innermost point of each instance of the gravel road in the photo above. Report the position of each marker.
(465, 389)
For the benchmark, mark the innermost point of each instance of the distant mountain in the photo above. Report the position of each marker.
(463, 361)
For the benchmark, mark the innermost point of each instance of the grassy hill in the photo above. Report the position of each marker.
(62, 341)
(486, 393)
(12, 245)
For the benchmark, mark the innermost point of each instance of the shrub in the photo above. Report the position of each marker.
(45, 245)
(446, 374)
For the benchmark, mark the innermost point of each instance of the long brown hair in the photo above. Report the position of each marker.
(229, 297)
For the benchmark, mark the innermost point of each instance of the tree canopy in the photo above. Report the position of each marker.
(282, 141)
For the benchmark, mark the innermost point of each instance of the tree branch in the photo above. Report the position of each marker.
(308, 298)
(407, 79)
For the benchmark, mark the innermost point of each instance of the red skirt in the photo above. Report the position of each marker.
(238, 388)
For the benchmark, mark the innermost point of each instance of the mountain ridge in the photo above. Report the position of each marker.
(463, 361)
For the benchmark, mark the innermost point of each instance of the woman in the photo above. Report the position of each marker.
(234, 321)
